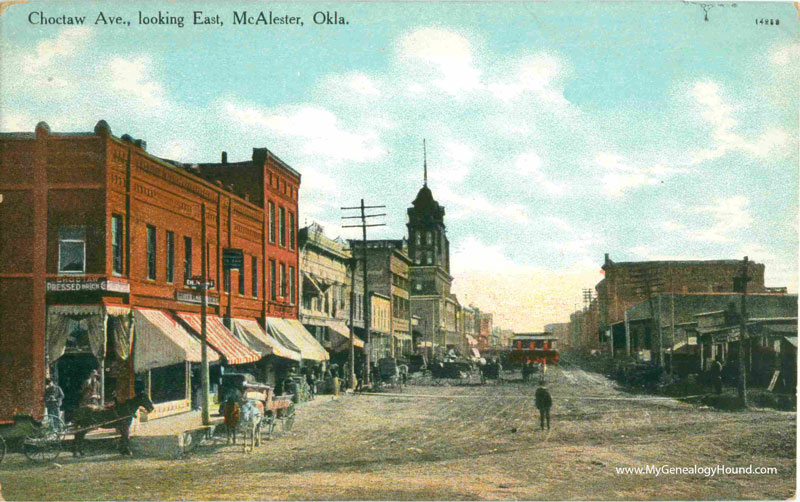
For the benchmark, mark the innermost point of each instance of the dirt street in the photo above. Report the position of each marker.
(457, 442)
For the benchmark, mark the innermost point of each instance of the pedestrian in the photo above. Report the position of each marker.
(53, 396)
(90, 391)
(526, 370)
(311, 380)
(716, 375)
(543, 403)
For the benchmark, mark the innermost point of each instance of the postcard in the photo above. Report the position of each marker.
(399, 250)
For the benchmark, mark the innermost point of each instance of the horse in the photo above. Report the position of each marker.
(232, 414)
(118, 415)
(251, 412)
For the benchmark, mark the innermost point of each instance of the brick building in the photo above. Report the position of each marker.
(625, 283)
(98, 240)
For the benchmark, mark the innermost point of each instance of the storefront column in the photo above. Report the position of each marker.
(147, 385)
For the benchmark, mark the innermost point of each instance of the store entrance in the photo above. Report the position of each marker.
(72, 371)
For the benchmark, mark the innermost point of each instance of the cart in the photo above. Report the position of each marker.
(39, 440)
(276, 408)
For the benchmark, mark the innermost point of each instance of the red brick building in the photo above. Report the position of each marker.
(97, 236)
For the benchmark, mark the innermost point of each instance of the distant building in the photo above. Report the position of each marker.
(484, 329)
(561, 331)
(626, 283)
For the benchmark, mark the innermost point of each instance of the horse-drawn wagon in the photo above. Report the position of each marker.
(40, 440)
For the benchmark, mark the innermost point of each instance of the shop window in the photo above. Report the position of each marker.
(170, 256)
(151, 252)
(116, 244)
(71, 250)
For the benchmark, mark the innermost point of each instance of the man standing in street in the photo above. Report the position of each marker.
(543, 403)
(716, 375)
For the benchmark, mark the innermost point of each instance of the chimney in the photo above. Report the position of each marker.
(141, 144)
(607, 260)
(224, 157)
(259, 156)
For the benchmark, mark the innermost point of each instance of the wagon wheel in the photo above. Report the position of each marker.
(44, 444)
(288, 418)
(2, 448)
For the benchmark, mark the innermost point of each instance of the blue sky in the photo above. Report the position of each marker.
(556, 132)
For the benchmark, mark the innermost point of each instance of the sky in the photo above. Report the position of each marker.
(556, 132)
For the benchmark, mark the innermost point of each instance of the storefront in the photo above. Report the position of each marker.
(276, 357)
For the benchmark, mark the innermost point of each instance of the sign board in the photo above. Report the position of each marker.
(774, 380)
(83, 284)
(232, 259)
(692, 340)
(188, 297)
(197, 282)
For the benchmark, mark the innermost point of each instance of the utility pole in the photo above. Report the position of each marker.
(740, 285)
(363, 225)
(203, 321)
(648, 282)
(352, 375)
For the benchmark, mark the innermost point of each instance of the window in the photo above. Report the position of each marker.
(187, 258)
(283, 281)
(291, 230)
(241, 279)
(282, 225)
(417, 238)
(151, 252)
(254, 275)
(170, 256)
(272, 222)
(428, 238)
(291, 285)
(72, 250)
(273, 290)
(429, 258)
(116, 243)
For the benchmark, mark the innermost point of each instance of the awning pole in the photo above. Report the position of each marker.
(203, 321)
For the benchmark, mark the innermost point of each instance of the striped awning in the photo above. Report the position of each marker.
(293, 334)
(250, 333)
(218, 336)
(161, 341)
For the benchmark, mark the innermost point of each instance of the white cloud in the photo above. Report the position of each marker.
(726, 215)
(67, 44)
(714, 110)
(540, 75)
(529, 165)
(317, 131)
(461, 204)
(132, 77)
(618, 175)
(447, 55)
(785, 55)
(457, 159)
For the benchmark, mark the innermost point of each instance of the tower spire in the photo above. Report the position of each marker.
(425, 162)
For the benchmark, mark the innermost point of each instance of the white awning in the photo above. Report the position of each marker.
(249, 332)
(343, 332)
(161, 341)
(292, 334)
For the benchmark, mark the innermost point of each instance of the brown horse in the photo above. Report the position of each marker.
(119, 416)
(232, 414)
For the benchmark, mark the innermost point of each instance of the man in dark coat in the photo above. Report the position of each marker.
(716, 375)
(53, 396)
(543, 403)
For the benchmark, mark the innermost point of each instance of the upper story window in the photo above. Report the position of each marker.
(241, 279)
(72, 250)
(284, 293)
(291, 230)
(292, 286)
(273, 289)
(170, 256)
(272, 222)
(151, 252)
(417, 238)
(254, 275)
(428, 237)
(116, 244)
(187, 258)
(282, 225)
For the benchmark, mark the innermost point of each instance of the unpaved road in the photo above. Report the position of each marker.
(456, 442)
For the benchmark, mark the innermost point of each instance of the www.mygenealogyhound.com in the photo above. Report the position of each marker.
(707, 471)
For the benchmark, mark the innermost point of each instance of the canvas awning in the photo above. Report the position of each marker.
(161, 341)
(792, 340)
(218, 336)
(310, 286)
(475, 352)
(62, 320)
(251, 334)
(342, 332)
(401, 336)
(291, 333)
(472, 341)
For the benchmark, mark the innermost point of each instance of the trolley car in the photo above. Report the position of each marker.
(534, 347)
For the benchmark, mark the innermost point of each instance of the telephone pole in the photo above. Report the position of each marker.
(363, 226)
(648, 282)
(740, 285)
